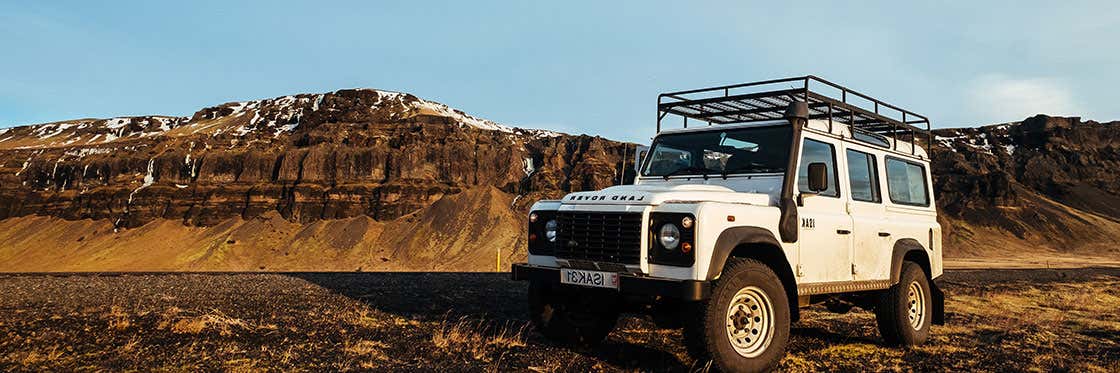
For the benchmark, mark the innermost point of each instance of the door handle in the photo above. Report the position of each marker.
(884, 234)
(843, 231)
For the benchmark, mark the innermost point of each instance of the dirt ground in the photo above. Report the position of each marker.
(999, 320)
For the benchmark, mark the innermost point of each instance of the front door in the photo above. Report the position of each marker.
(826, 228)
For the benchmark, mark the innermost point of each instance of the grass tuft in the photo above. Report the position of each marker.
(477, 337)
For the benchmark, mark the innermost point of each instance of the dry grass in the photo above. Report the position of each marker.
(273, 322)
(479, 338)
(1089, 305)
(118, 319)
(363, 317)
(243, 365)
(370, 353)
(130, 347)
(49, 357)
(225, 325)
(1063, 326)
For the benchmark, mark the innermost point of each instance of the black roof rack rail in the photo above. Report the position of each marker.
(767, 100)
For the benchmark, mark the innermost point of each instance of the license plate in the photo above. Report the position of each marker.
(589, 278)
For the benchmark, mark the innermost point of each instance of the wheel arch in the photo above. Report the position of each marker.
(758, 244)
(909, 249)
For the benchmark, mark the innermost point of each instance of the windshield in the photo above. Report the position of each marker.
(732, 151)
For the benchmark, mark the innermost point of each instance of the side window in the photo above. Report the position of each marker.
(906, 183)
(864, 176)
(815, 151)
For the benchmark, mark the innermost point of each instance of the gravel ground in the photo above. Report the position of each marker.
(999, 320)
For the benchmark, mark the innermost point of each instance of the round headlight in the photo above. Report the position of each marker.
(670, 236)
(550, 230)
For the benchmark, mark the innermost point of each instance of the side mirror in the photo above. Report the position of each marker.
(818, 177)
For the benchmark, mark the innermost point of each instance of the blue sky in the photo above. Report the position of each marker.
(581, 67)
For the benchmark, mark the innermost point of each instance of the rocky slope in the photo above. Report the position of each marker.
(381, 158)
(384, 180)
(309, 157)
(1045, 183)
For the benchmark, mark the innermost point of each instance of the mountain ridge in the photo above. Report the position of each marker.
(280, 114)
(345, 139)
(1047, 182)
(344, 167)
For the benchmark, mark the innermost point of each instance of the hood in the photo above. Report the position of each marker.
(659, 194)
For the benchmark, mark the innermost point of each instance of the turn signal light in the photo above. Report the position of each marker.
(532, 236)
(686, 247)
(730, 217)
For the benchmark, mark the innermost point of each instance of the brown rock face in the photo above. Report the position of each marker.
(1050, 181)
(385, 180)
(308, 157)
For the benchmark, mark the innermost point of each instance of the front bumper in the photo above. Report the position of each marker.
(688, 290)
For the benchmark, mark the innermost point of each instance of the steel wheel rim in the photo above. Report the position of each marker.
(750, 322)
(916, 305)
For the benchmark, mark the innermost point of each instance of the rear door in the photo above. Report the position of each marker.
(825, 237)
(870, 240)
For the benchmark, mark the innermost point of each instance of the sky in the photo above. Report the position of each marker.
(591, 67)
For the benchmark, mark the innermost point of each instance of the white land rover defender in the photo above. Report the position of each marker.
(780, 198)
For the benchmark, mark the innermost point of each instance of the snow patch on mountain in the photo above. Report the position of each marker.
(274, 116)
(984, 140)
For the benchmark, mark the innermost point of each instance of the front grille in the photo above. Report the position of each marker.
(610, 237)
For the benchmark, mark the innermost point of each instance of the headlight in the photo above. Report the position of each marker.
(542, 232)
(550, 230)
(670, 236)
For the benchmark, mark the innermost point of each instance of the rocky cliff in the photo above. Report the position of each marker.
(1046, 183)
(308, 157)
(337, 181)
(384, 180)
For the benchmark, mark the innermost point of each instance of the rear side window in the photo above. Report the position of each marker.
(864, 176)
(906, 183)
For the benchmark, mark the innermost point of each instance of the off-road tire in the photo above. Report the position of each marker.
(572, 318)
(904, 312)
(706, 331)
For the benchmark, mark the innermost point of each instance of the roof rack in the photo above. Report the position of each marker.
(760, 101)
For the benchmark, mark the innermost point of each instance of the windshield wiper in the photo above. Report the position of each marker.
(702, 170)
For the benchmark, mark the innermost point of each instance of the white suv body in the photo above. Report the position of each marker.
(825, 258)
(831, 206)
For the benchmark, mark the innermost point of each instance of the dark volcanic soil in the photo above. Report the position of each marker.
(999, 320)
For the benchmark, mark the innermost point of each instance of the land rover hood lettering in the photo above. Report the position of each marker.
(658, 194)
(604, 198)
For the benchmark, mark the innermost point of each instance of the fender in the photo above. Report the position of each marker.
(901, 248)
(906, 246)
(734, 237)
(731, 238)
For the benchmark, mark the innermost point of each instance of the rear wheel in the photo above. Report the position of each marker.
(904, 313)
(744, 326)
(570, 316)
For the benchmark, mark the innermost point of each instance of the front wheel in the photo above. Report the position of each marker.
(903, 312)
(571, 316)
(744, 326)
